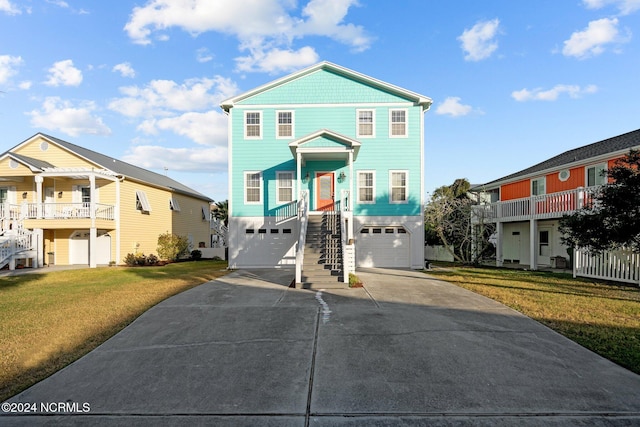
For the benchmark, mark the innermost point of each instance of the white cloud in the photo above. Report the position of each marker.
(9, 67)
(625, 7)
(479, 42)
(209, 128)
(60, 115)
(591, 41)
(277, 60)
(538, 94)
(125, 69)
(9, 8)
(59, 3)
(260, 26)
(25, 85)
(203, 55)
(452, 107)
(196, 159)
(165, 97)
(65, 74)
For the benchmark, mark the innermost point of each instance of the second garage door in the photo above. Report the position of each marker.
(383, 246)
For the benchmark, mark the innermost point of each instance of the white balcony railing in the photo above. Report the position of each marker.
(553, 205)
(56, 211)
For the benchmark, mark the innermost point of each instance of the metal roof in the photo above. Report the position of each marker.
(616, 144)
(115, 165)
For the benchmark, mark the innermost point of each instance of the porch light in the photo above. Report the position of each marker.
(24, 195)
(341, 177)
(306, 178)
(59, 194)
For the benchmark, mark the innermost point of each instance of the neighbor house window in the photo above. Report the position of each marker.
(253, 187)
(538, 186)
(173, 204)
(596, 175)
(366, 187)
(366, 123)
(253, 124)
(285, 124)
(398, 186)
(397, 123)
(142, 203)
(284, 182)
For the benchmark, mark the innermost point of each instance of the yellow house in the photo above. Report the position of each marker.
(64, 204)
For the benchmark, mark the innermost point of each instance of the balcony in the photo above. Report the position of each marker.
(545, 206)
(56, 211)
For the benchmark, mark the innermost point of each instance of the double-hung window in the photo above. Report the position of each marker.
(284, 127)
(398, 186)
(596, 175)
(398, 123)
(253, 187)
(284, 182)
(538, 186)
(253, 124)
(366, 187)
(366, 123)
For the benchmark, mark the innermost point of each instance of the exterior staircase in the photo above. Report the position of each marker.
(17, 245)
(322, 268)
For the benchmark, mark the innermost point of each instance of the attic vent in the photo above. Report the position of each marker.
(13, 164)
(564, 175)
(44, 146)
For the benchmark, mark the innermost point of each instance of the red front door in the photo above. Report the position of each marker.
(324, 191)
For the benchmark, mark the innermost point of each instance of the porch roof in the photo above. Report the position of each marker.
(325, 144)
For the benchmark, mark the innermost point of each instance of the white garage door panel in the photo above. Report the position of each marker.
(383, 247)
(79, 248)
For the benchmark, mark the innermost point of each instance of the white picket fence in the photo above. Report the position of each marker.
(619, 266)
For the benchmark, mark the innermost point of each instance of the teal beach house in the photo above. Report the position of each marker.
(326, 172)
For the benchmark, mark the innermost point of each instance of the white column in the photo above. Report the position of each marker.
(39, 198)
(533, 238)
(499, 240)
(298, 174)
(117, 220)
(93, 232)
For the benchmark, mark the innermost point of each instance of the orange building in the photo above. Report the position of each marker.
(527, 205)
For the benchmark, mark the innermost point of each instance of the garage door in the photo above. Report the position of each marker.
(383, 246)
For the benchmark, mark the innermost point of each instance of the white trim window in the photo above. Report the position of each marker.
(595, 174)
(253, 124)
(398, 186)
(366, 123)
(284, 125)
(284, 184)
(398, 122)
(538, 186)
(142, 203)
(366, 187)
(173, 204)
(253, 187)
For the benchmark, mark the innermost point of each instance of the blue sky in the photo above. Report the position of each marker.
(513, 82)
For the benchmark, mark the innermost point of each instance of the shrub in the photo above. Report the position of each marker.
(130, 260)
(171, 246)
(354, 281)
(196, 254)
(152, 259)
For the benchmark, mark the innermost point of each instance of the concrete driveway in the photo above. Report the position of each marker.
(407, 350)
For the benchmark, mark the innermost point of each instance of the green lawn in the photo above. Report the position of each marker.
(49, 320)
(604, 318)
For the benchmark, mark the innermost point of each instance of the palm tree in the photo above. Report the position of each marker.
(221, 212)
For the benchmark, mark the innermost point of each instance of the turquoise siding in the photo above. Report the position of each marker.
(381, 154)
(322, 87)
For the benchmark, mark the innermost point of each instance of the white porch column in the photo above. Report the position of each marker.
(38, 234)
(351, 179)
(533, 238)
(117, 219)
(39, 198)
(93, 232)
(299, 174)
(499, 240)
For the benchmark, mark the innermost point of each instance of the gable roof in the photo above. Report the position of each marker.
(422, 100)
(324, 141)
(30, 162)
(617, 145)
(117, 166)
